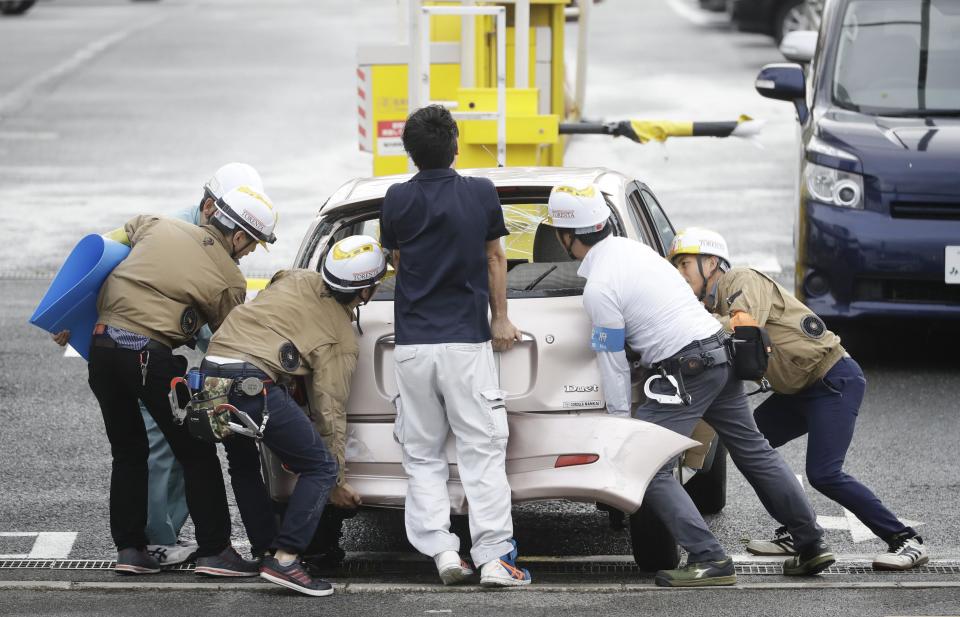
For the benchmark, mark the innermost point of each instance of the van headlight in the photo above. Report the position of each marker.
(834, 187)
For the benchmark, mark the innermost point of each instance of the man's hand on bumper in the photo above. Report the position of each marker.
(345, 497)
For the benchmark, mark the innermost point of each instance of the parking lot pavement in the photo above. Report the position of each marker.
(866, 602)
(96, 127)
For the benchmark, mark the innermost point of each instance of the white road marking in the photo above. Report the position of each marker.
(686, 10)
(47, 545)
(19, 96)
(858, 531)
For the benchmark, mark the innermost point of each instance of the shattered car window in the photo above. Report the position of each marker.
(537, 264)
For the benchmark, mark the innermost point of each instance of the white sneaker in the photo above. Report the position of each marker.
(781, 545)
(172, 554)
(905, 552)
(452, 569)
(498, 573)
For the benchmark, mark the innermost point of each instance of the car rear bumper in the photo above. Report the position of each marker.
(857, 263)
(629, 452)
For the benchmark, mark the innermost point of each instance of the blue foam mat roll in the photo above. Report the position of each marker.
(71, 300)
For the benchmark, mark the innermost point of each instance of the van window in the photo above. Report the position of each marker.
(899, 57)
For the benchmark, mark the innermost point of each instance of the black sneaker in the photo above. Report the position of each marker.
(227, 563)
(135, 561)
(811, 559)
(780, 546)
(294, 577)
(699, 574)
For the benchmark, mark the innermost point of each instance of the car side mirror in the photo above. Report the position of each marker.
(799, 46)
(785, 82)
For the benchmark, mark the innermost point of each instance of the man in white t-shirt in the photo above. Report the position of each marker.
(635, 298)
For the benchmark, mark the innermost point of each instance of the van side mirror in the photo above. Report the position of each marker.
(784, 82)
(799, 46)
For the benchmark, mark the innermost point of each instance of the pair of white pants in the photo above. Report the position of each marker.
(446, 387)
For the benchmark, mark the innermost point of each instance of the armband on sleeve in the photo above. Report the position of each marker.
(608, 339)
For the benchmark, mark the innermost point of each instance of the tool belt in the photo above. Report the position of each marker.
(690, 361)
(202, 401)
(104, 340)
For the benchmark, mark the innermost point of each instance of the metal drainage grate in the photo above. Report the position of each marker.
(75, 564)
(367, 566)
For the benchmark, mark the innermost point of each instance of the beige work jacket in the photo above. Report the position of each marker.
(177, 277)
(295, 327)
(803, 348)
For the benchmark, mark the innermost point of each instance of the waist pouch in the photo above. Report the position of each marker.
(750, 349)
(203, 420)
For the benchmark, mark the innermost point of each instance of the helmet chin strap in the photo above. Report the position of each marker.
(708, 299)
(236, 251)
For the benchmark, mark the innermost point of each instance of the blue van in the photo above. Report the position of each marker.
(878, 227)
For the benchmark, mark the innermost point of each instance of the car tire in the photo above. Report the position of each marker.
(653, 545)
(16, 8)
(789, 17)
(708, 489)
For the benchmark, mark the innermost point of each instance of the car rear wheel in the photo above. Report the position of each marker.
(653, 545)
(708, 489)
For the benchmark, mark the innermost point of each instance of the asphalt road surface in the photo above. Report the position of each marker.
(113, 108)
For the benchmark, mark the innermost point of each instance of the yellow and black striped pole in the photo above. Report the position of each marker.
(642, 131)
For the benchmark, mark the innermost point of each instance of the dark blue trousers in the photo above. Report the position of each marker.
(827, 412)
(291, 436)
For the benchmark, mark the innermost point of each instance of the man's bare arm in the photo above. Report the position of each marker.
(503, 331)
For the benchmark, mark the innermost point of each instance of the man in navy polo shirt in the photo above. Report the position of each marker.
(444, 232)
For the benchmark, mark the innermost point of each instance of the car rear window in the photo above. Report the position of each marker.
(537, 264)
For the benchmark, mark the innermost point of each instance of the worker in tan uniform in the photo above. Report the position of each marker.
(299, 325)
(817, 387)
(177, 277)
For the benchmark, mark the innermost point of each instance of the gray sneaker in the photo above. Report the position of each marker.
(228, 563)
(135, 561)
(172, 554)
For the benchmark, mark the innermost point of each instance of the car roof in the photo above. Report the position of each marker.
(366, 189)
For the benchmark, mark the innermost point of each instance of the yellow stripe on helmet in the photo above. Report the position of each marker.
(339, 253)
(587, 192)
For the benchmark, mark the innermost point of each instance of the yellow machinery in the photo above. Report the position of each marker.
(499, 67)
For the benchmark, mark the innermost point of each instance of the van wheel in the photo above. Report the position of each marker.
(708, 489)
(653, 545)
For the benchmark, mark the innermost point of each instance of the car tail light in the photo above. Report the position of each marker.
(569, 460)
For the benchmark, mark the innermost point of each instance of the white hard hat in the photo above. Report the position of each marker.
(354, 263)
(583, 210)
(698, 241)
(231, 176)
(251, 211)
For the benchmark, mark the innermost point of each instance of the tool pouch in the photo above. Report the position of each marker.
(204, 421)
(750, 349)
